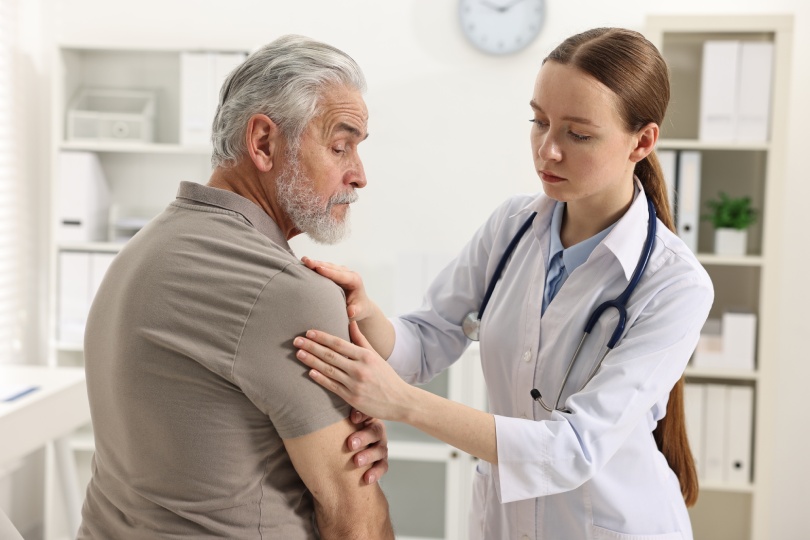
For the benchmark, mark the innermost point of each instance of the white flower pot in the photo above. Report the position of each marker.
(730, 242)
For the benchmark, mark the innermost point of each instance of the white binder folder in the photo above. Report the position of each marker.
(196, 74)
(740, 411)
(718, 90)
(694, 400)
(201, 77)
(754, 91)
(715, 434)
(83, 198)
(739, 340)
(74, 295)
(688, 194)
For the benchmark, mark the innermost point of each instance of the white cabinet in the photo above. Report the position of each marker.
(429, 483)
(139, 178)
(730, 506)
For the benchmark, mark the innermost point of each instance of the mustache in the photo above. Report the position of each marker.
(347, 197)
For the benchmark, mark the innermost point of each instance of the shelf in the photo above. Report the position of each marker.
(98, 247)
(134, 148)
(415, 451)
(700, 373)
(694, 144)
(726, 488)
(83, 442)
(725, 260)
(70, 347)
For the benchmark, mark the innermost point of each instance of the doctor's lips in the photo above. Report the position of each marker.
(549, 177)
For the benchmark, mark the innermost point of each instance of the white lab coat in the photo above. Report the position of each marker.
(595, 473)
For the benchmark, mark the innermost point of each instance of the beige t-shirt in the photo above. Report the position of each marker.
(193, 382)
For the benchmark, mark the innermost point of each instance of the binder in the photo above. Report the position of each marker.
(201, 77)
(694, 399)
(715, 433)
(709, 351)
(739, 340)
(74, 295)
(83, 198)
(688, 197)
(196, 74)
(740, 412)
(718, 90)
(667, 160)
(754, 91)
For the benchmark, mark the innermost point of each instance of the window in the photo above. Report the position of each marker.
(12, 236)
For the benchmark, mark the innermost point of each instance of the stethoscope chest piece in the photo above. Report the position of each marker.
(471, 325)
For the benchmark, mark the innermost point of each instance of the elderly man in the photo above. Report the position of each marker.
(206, 426)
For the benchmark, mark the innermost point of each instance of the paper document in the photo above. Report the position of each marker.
(10, 392)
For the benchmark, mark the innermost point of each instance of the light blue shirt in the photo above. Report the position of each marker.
(563, 261)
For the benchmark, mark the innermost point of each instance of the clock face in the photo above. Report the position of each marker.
(501, 26)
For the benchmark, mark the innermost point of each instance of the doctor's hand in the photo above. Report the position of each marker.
(371, 446)
(358, 304)
(356, 373)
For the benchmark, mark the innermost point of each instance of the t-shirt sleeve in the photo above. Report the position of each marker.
(293, 301)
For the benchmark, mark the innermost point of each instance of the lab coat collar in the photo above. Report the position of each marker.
(544, 206)
(626, 240)
(228, 200)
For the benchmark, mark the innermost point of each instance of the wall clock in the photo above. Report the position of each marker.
(501, 26)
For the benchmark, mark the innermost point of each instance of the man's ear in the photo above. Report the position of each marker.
(262, 140)
(645, 140)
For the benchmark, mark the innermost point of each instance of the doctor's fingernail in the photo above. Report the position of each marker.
(310, 334)
(355, 443)
(361, 460)
(298, 342)
(372, 479)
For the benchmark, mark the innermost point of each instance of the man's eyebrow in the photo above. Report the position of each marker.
(343, 126)
(575, 119)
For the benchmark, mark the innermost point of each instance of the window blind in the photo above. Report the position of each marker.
(12, 284)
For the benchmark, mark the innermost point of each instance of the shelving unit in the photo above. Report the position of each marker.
(738, 512)
(138, 175)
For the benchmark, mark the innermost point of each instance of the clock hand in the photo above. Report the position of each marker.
(510, 5)
(495, 7)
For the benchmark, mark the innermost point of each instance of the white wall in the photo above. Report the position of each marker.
(449, 136)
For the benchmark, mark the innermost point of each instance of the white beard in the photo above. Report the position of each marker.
(306, 209)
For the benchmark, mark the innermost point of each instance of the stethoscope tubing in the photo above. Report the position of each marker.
(472, 322)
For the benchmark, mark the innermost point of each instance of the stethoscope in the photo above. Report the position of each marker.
(472, 322)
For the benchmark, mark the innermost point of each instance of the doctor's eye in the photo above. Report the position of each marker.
(579, 138)
(539, 123)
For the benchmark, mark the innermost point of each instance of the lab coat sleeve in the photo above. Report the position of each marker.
(538, 458)
(430, 339)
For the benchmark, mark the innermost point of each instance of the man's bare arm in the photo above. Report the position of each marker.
(345, 505)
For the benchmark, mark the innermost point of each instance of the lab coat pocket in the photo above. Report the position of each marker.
(600, 533)
(478, 507)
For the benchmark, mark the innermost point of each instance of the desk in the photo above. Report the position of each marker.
(58, 407)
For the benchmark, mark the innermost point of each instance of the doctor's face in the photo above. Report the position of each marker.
(580, 146)
(322, 173)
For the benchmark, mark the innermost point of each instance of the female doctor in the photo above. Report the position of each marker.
(572, 449)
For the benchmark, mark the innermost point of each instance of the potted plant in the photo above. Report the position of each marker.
(731, 218)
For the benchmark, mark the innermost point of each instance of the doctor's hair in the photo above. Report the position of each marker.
(284, 80)
(629, 65)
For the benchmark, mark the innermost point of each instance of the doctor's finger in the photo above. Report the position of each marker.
(326, 367)
(340, 346)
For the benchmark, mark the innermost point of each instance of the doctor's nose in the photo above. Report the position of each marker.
(549, 150)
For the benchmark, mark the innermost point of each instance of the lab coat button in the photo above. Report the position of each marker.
(527, 356)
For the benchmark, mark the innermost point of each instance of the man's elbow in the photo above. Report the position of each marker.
(347, 517)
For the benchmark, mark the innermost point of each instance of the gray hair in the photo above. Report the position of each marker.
(285, 80)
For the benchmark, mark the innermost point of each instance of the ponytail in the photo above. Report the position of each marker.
(670, 434)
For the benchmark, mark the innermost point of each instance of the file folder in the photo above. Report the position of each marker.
(715, 434)
(688, 194)
(739, 340)
(74, 295)
(754, 90)
(740, 413)
(718, 90)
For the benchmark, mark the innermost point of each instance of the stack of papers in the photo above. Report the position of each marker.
(10, 392)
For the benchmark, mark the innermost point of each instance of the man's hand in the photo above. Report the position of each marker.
(371, 446)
